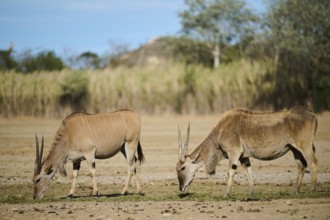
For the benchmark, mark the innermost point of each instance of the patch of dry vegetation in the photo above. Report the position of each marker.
(170, 88)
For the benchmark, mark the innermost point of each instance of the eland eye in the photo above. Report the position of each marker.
(37, 180)
(182, 168)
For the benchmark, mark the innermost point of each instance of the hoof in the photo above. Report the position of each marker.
(313, 188)
(250, 193)
(95, 194)
(69, 196)
(227, 194)
(140, 193)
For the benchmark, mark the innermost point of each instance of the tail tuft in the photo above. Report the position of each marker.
(140, 153)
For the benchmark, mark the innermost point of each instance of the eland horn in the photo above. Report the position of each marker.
(187, 140)
(180, 143)
(37, 165)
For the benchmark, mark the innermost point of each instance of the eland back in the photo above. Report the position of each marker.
(241, 134)
(84, 136)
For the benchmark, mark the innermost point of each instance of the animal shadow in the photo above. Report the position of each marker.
(184, 195)
(113, 195)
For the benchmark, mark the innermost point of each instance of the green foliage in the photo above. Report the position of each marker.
(300, 37)
(7, 62)
(191, 51)
(321, 92)
(74, 89)
(43, 61)
(217, 22)
(89, 60)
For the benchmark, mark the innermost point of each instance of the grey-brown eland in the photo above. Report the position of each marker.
(84, 136)
(240, 134)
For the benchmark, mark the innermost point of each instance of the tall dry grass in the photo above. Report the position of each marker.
(170, 88)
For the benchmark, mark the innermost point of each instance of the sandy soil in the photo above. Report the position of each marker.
(277, 209)
(159, 142)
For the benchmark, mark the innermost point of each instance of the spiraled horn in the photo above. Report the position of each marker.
(187, 140)
(37, 165)
(41, 152)
(180, 143)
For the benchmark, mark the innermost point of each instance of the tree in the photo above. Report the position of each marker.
(7, 62)
(217, 22)
(89, 60)
(44, 60)
(300, 31)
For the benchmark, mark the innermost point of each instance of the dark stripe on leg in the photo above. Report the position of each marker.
(245, 161)
(93, 165)
(298, 156)
(234, 166)
(76, 166)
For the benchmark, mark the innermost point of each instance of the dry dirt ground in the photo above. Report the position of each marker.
(159, 143)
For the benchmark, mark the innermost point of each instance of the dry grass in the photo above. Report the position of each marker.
(170, 88)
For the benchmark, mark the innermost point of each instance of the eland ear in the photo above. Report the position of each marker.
(195, 160)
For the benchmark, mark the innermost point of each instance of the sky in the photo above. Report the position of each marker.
(77, 26)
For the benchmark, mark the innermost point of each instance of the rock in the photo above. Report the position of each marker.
(253, 210)
(288, 202)
(37, 209)
(167, 214)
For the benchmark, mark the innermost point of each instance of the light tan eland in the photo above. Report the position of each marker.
(83, 136)
(240, 134)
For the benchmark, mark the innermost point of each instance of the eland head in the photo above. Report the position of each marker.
(40, 179)
(186, 166)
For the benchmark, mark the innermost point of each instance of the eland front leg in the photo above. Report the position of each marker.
(231, 173)
(75, 172)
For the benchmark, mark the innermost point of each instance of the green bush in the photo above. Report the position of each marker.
(74, 90)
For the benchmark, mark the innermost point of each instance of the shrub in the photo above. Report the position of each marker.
(74, 90)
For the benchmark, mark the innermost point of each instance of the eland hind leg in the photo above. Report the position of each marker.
(313, 169)
(133, 167)
(304, 157)
(301, 165)
(245, 161)
(90, 159)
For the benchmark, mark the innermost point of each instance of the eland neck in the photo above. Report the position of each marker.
(56, 157)
(206, 149)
